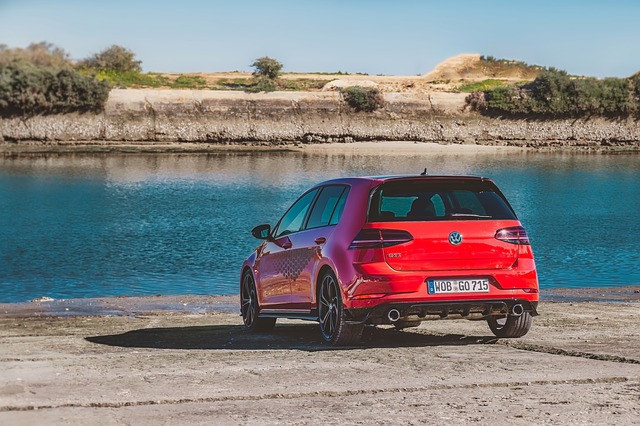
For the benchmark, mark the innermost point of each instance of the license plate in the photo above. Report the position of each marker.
(475, 285)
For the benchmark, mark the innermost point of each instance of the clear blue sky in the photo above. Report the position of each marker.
(393, 37)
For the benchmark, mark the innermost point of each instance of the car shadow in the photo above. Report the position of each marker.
(290, 336)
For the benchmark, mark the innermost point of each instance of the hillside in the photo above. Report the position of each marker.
(448, 76)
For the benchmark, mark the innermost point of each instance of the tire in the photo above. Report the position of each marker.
(333, 326)
(250, 309)
(400, 325)
(510, 326)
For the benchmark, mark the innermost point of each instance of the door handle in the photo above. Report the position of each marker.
(320, 240)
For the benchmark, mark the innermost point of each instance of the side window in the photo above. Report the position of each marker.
(294, 217)
(325, 206)
(337, 212)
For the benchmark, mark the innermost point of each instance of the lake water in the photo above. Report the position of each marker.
(75, 226)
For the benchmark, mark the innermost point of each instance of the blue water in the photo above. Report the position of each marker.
(107, 225)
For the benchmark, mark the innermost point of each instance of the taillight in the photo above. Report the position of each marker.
(513, 235)
(379, 238)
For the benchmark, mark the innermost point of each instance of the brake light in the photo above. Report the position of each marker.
(379, 238)
(513, 235)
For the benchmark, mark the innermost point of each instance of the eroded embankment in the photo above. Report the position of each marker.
(238, 117)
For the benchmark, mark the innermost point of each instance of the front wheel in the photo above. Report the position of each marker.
(335, 330)
(510, 326)
(249, 307)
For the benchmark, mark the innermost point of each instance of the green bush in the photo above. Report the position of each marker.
(557, 94)
(267, 67)
(41, 54)
(359, 98)
(114, 58)
(27, 89)
(494, 67)
(261, 84)
(635, 89)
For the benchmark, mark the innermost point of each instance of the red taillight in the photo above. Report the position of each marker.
(379, 238)
(513, 235)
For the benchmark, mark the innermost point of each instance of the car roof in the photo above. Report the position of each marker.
(381, 179)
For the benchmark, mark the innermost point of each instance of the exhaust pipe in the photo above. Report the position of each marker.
(517, 310)
(393, 315)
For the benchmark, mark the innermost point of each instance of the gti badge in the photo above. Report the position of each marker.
(455, 238)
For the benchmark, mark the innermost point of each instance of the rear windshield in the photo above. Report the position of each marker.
(421, 200)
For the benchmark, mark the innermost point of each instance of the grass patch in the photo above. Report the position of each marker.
(330, 73)
(233, 84)
(189, 82)
(483, 86)
(258, 85)
(301, 84)
(133, 79)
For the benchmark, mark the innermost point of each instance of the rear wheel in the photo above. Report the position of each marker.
(510, 325)
(250, 309)
(335, 330)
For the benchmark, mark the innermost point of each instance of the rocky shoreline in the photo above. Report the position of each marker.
(156, 117)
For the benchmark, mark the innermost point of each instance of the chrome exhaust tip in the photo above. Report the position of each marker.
(393, 315)
(517, 310)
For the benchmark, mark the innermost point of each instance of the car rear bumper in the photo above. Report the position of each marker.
(371, 298)
(388, 313)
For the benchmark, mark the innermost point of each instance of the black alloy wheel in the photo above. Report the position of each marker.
(510, 326)
(335, 330)
(250, 309)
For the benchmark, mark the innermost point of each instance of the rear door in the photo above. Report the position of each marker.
(320, 225)
(288, 262)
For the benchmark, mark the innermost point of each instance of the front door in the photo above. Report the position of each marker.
(278, 263)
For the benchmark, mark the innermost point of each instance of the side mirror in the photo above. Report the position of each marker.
(261, 232)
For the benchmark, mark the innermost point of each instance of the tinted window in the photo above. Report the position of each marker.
(422, 200)
(294, 217)
(337, 213)
(325, 207)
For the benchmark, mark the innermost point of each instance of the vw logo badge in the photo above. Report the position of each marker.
(455, 238)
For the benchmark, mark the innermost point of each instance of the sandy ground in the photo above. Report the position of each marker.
(403, 147)
(187, 360)
(363, 148)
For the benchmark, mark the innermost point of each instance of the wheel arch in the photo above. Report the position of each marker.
(247, 269)
(321, 271)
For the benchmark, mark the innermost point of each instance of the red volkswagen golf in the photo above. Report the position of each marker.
(393, 250)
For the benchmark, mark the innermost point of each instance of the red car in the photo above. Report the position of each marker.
(393, 250)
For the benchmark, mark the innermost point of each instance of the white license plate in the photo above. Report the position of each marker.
(474, 285)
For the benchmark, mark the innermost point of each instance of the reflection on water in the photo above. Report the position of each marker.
(105, 225)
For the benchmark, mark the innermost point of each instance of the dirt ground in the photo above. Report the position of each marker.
(187, 360)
